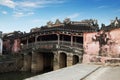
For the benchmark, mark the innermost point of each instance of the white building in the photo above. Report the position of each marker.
(1, 43)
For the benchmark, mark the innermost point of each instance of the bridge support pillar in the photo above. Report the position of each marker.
(80, 59)
(27, 62)
(56, 61)
(37, 62)
(69, 60)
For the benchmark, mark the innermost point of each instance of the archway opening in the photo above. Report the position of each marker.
(48, 61)
(75, 59)
(63, 60)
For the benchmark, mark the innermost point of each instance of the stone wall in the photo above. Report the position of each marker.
(11, 65)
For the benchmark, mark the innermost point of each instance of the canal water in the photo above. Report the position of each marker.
(16, 75)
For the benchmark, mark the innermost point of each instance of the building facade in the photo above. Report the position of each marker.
(103, 46)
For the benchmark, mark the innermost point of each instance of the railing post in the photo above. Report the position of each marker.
(27, 42)
(58, 35)
(71, 40)
(36, 38)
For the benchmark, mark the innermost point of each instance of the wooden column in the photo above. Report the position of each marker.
(58, 35)
(27, 42)
(71, 40)
(36, 39)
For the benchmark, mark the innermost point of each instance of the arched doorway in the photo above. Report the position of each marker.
(63, 60)
(75, 59)
(48, 61)
(42, 62)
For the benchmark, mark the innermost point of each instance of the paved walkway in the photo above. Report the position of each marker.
(76, 72)
(105, 73)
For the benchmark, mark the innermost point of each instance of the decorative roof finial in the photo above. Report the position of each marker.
(116, 18)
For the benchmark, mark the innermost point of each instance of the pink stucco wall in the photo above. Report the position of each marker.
(96, 51)
(16, 45)
(115, 42)
(91, 49)
(11, 46)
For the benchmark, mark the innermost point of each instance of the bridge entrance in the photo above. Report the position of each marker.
(63, 60)
(75, 59)
(48, 61)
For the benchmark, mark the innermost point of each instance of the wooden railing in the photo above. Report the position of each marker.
(66, 45)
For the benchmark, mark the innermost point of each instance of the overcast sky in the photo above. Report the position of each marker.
(23, 15)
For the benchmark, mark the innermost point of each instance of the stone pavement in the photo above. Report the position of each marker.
(105, 73)
(76, 72)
